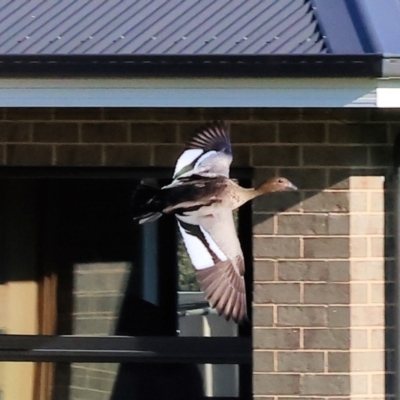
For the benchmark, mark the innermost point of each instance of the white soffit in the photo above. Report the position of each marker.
(196, 92)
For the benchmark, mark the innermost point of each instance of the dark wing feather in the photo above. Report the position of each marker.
(224, 289)
(212, 137)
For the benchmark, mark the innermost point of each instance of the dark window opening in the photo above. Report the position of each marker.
(106, 275)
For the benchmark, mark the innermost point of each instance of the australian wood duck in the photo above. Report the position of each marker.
(202, 198)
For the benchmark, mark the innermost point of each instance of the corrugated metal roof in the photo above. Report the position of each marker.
(182, 27)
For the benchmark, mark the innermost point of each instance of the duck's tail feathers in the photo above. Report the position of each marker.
(146, 203)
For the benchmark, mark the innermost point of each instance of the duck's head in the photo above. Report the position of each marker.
(277, 184)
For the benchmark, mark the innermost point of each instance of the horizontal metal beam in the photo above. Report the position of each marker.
(198, 350)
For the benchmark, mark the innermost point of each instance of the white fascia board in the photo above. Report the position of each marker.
(195, 92)
(388, 93)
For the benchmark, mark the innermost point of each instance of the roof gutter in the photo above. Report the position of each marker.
(255, 66)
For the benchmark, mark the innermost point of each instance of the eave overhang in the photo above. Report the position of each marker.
(265, 66)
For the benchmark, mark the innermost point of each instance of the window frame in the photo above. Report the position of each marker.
(118, 349)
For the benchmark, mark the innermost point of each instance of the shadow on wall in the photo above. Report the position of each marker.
(152, 381)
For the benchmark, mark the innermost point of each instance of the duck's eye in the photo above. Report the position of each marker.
(280, 180)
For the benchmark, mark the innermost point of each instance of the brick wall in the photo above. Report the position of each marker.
(323, 265)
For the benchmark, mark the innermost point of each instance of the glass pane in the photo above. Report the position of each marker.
(219, 380)
(98, 381)
(12, 386)
(92, 306)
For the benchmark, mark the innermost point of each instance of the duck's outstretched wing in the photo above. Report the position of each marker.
(215, 252)
(208, 152)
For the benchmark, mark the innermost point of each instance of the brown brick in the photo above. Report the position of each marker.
(313, 224)
(368, 361)
(378, 383)
(335, 155)
(153, 133)
(367, 270)
(14, 132)
(78, 155)
(2, 154)
(325, 385)
(380, 156)
(370, 180)
(241, 156)
(263, 316)
(381, 247)
(263, 224)
(29, 114)
(318, 339)
(326, 202)
(338, 361)
(305, 178)
(177, 114)
(280, 156)
(128, 155)
(301, 133)
(276, 114)
(166, 155)
(378, 338)
(34, 154)
(308, 398)
(335, 114)
(359, 385)
(279, 247)
(261, 174)
(340, 178)
(81, 113)
(263, 270)
(263, 361)
(358, 202)
(187, 130)
(276, 339)
(326, 293)
(254, 133)
(338, 316)
(331, 271)
(358, 246)
(128, 114)
(300, 361)
(368, 315)
(55, 132)
(275, 384)
(359, 339)
(358, 133)
(394, 130)
(329, 247)
(278, 202)
(227, 114)
(277, 293)
(104, 132)
(381, 114)
(359, 293)
(301, 316)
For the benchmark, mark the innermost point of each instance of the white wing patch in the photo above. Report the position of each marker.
(213, 246)
(187, 157)
(204, 157)
(199, 254)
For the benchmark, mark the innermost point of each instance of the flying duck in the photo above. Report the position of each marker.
(202, 198)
